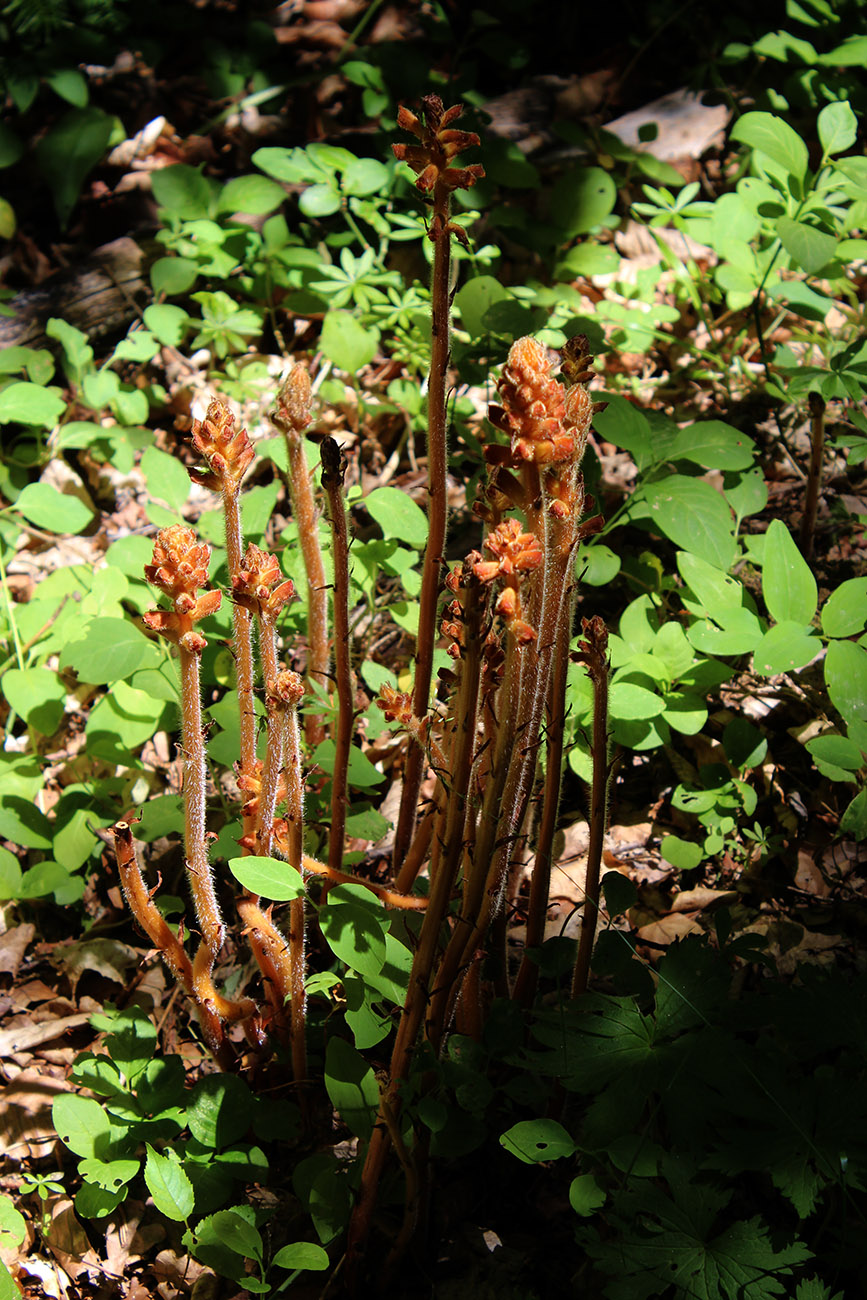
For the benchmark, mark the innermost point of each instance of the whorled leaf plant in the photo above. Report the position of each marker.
(507, 621)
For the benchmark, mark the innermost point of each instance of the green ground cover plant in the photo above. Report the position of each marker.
(665, 1105)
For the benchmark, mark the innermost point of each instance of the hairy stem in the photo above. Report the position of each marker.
(597, 667)
(332, 484)
(814, 477)
(243, 635)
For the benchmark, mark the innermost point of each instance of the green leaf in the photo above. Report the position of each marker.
(585, 1195)
(69, 84)
(301, 1255)
(184, 190)
(56, 512)
(347, 343)
(838, 128)
(268, 877)
(714, 590)
(774, 138)
(714, 445)
(111, 650)
(26, 403)
(398, 515)
(37, 695)
(535, 1140)
(682, 854)
(473, 301)
(854, 819)
(354, 926)
(22, 823)
(352, 1087)
(255, 195)
(121, 722)
(110, 1175)
(173, 275)
(11, 146)
(169, 324)
(74, 841)
(69, 150)
(166, 477)
(10, 875)
(693, 516)
(846, 679)
(625, 426)
(81, 1124)
(839, 751)
(597, 565)
(320, 201)
(620, 893)
(582, 198)
(13, 1227)
(788, 585)
(169, 1186)
(364, 176)
(220, 1110)
(845, 611)
(785, 648)
(811, 248)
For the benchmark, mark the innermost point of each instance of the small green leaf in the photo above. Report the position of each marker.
(184, 190)
(775, 138)
(255, 195)
(788, 585)
(785, 648)
(535, 1140)
(585, 1195)
(854, 819)
(355, 931)
(351, 1085)
(13, 1226)
(347, 343)
(839, 751)
(169, 1186)
(169, 324)
(320, 201)
(268, 877)
(220, 1110)
(582, 198)
(10, 875)
(301, 1255)
(112, 649)
(398, 515)
(110, 1175)
(714, 445)
(364, 176)
(68, 151)
(845, 611)
(69, 84)
(37, 695)
(620, 893)
(473, 301)
(81, 1124)
(173, 275)
(693, 516)
(26, 403)
(810, 248)
(846, 679)
(838, 127)
(682, 854)
(166, 477)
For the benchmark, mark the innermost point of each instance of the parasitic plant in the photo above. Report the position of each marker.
(505, 615)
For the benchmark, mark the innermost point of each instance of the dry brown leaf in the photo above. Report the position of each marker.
(13, 945)
(694, 900)
(68, 1242)
(107, 957)
(808, 876)
(26, 1127)
(23, 1037)
(54, 1283)
(669, 929)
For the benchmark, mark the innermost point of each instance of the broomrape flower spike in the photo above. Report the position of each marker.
(431, 159)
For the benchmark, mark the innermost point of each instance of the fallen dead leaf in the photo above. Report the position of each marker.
(24, 1037)
(808, 876)
(695, 900)
(69, 1244)
(26, 1127)
(107, 957)
(54, 1282)
(669, 929)
(13, 945)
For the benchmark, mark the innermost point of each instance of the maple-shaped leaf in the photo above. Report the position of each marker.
(677, 1241)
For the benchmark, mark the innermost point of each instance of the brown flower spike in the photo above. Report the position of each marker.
(516, 553)
(179, 568)
(227, 453)
(260, 586)
(438, 145)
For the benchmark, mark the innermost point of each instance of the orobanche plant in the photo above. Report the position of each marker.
(429, 943)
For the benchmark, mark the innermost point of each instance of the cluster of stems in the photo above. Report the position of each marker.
(506, 615)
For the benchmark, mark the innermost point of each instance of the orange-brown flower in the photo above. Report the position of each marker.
(396, 705)
(294, 401)
(516, 554)
(260, 586)
(533, 410)
(179, 568)
(227, 453)
(438, 145)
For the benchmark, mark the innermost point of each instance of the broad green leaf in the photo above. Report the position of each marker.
(10, 875)
(166, 477)
(854, 819)
(252, 194)
(398, 515)
(713, 444)
(37, 695)
(11, 145)
(619, 892)
(167, 322)
(597, 565)
(714, 590)
(169, 1186)
(473, 300)
(320, 200)
(801, 298)
(23, 824)
(301, 1255)
(121, 722)
(51, 878)
(747, 494)
(173, 275)
(788, 645)
(268, 877)
(220, 1110)
(845, 611)
(355, 930)
(290, 165)
(347, 343)
(838, 128)
(585, 1195)
(632, 702)
(26, 403)
(775, 138)
(184, 190)
(535, 1140)
(81, 1124)
(846, 679)
(56, 512)
(352, 1087)
(69, 84)
(811, 248)
(582, 198)
(364, 176)
(740, 633)
(625, 426)
(693, 516)
(112, 649)
(74, 841)
(139, 345)
(13, 1227)
(65, 155)
(682, 854)
(685, 712)
(839, 751)
(788, 585)
(110, 1175)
